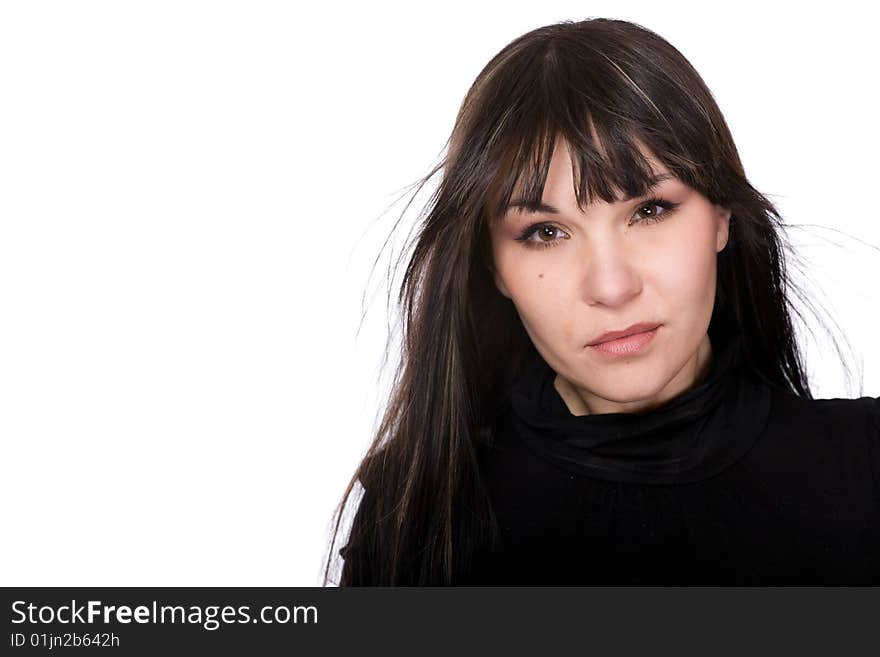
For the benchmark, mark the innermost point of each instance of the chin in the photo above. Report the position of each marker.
(629, 396)
(634, 391)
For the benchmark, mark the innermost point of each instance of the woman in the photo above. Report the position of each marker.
(600, 381)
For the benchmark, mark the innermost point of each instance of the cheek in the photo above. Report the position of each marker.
(686, 271)
(540, 293)
(521, 275)
(537, 294)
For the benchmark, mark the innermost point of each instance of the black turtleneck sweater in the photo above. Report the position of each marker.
(732, 482)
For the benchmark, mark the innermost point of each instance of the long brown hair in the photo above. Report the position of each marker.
(608, 88)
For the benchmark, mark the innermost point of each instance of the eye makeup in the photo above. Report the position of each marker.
(668, 207)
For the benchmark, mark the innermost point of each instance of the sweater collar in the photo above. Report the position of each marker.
(691, 437)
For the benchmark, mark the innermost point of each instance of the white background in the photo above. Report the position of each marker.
(192, 195)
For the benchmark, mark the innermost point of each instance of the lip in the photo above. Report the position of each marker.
(630, 330)
(628, 345)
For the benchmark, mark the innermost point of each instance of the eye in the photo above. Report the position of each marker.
(545, 234)
(542, 235)
(652, 216)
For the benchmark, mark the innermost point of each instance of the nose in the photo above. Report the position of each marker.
(611, 276)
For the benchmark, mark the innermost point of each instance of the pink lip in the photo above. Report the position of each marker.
(632, 343)
(629, 330)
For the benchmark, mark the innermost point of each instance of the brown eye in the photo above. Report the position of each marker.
(650, 210)
(654, 210)
(545, 234)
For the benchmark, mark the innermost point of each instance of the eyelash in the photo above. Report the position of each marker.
(668, 206)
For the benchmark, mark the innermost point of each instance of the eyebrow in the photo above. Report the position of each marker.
(549, 209)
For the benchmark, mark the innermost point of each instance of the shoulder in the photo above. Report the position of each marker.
(821, 456)
(835, 429)
(855, 414)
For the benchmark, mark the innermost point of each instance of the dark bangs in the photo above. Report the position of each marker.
(557, 91)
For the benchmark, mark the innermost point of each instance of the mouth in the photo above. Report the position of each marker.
(608, 336)
(630, 340)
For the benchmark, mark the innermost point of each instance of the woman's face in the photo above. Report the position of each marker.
(573, 276)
